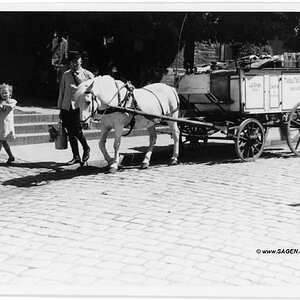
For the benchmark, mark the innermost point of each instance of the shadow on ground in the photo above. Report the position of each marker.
(44, 178)
(215, 153)
(34, 165)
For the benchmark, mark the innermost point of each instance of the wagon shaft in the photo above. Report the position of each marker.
(165, 118)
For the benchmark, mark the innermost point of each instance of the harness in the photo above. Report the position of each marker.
(129, 94)
(161, 107)
(121, 103)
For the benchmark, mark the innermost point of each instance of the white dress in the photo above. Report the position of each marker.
(7, 127)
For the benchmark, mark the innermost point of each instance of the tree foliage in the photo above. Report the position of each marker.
(257, 28)
(26, 34)
(246, 49)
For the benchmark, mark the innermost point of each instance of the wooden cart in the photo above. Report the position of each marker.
(240, 106)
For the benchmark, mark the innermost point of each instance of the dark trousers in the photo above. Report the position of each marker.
(71, 122)
(6, 147)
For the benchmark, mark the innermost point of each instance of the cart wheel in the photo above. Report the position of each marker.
(191, 137)
(293, 130)
(250, 140)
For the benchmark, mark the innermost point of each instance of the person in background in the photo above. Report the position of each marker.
(54, 48)
(7, 130)
(112, 69)
(63, 63)
(68, 114)
(95, 71)
(63, 49)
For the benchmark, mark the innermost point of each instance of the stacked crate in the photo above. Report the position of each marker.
(291, 59)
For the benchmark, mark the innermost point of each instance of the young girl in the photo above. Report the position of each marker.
(7, 130)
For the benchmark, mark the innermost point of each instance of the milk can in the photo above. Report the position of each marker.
(61, 141)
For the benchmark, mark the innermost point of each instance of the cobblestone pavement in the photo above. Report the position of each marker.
(199, 223)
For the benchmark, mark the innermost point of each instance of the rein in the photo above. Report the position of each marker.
(105, 111)
(93, 109)
(161, 107)
(129, 94)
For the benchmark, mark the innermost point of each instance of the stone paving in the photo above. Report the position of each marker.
(197, 224)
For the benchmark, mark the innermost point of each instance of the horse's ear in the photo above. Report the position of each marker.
(89, 88)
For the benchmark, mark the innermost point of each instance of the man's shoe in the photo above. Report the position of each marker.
(86, 154)
(75, 160)
(10, 160)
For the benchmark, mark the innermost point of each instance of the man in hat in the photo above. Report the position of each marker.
(68, 114)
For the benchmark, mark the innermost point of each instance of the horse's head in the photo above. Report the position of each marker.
(107, 90)
(97, 93)
(86, 101)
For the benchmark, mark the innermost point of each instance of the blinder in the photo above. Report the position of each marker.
(93, 112)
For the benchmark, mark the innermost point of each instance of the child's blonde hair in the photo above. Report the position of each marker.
(4, 86)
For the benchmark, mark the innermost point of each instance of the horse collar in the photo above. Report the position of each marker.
(129, 94)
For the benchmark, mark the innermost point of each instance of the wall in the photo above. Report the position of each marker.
(206, 53)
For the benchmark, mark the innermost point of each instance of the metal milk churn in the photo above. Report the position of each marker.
(61, 141)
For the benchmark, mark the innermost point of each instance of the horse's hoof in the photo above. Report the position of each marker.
(173, 162)
(144, 166)
(112, 170)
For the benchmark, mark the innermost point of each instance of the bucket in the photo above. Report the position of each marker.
(61, 141)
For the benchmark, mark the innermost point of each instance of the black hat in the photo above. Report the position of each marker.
(74, 55)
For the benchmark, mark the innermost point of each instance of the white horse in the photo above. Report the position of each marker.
(102, 92)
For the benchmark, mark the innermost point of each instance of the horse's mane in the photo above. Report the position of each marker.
(104, 87)
(106, 80)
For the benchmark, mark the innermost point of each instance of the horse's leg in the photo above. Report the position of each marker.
(175, 136)
(152, 142)
(118, 134)
(103, 136)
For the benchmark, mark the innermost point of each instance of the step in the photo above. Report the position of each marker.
(43, 137)
(38, 127)
(33, 127)
(91, 134)
(35, 118)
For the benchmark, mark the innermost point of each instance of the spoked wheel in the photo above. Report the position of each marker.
(293, 130)
(250, 140)
(192, 138)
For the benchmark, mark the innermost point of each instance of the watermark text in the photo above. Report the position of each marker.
(278, 251)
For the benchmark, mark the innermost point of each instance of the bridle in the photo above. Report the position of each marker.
(94, 99)
(103, 112)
